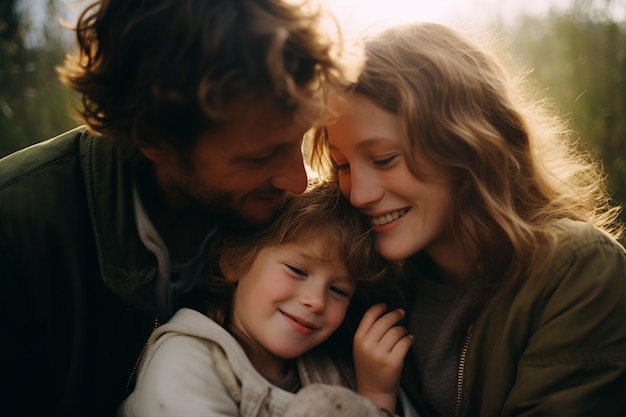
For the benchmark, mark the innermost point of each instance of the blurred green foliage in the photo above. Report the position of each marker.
(578, 56)
(34, 105)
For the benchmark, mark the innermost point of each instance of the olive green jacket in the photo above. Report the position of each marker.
(557, 346)
(77, 282)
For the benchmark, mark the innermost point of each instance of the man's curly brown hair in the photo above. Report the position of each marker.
(167, 70)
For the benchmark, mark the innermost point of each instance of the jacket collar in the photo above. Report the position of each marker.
(127, 267)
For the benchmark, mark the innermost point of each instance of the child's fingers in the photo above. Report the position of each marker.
(376, 330)
(402, 346)
(368, 321)
(371, 315)
(392, 337)
(380, 339)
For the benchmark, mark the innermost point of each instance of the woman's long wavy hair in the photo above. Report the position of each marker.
(517, 165)
(152, 70)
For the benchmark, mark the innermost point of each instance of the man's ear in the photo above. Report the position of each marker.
(229, 271)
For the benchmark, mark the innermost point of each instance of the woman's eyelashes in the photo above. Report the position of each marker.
(385, 161)
(378, 162)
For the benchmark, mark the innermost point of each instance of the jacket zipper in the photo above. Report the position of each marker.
(143, 350)
(461, 373)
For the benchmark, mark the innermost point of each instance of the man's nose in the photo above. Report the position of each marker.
(290, 173)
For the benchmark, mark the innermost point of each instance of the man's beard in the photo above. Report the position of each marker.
(220, 208)
(233, 222)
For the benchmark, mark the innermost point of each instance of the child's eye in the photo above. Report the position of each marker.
(296, 270)
(386, 161)
(339, 291)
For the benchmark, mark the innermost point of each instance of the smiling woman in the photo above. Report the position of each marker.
(515, 277)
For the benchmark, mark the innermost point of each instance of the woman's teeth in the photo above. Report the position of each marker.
(387, 218)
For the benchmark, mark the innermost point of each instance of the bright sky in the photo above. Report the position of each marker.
(359, 16)
(356, 16)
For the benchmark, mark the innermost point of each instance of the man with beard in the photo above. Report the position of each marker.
(194, 114)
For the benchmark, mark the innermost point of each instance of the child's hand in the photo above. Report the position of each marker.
(379, 350)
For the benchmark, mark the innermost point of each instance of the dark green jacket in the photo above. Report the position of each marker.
(77, 283)
(557, 346)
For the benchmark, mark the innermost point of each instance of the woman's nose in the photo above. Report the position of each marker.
(363, 189)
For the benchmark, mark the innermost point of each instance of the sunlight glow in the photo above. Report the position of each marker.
(364, 16)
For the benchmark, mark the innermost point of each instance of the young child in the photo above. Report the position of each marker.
(284, 292)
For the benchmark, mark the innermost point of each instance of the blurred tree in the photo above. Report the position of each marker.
(579, 56)
(33, 103)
